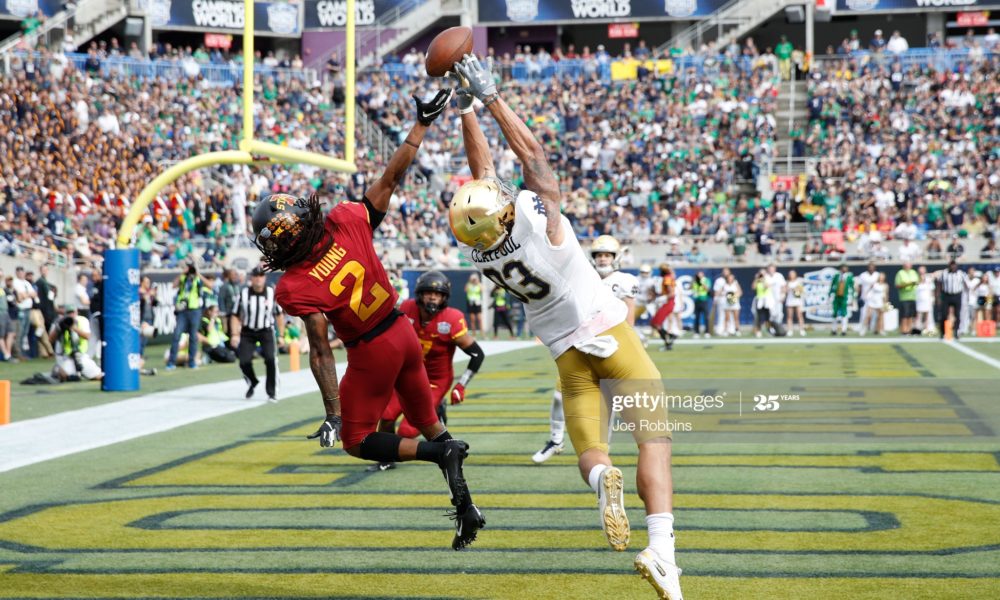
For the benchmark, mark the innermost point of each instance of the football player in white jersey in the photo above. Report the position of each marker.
(523, 243)
(604, 254)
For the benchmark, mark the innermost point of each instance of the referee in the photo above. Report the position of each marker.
(953, 284)
(255, 321)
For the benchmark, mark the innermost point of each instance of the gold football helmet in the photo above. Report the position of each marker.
(481, 213)
(606, 244)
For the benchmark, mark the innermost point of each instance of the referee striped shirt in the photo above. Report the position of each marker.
(257, 309)
(953, 282)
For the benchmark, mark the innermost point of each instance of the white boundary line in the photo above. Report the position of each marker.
(976, 355)
(789, 340)
(24, 443)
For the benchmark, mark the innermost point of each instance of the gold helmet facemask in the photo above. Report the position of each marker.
(482, 212)
(606, 244)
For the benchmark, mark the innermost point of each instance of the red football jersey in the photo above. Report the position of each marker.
(348, 283)
(437, 338)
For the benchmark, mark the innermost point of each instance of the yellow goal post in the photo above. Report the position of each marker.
(249, 147)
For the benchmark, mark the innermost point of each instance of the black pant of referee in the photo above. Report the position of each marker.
(950, 301)
(247, 348)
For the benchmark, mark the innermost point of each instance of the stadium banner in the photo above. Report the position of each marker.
(270, 18)
(121, 357)
(20, 9)
(540, 11)
(332, 14)
(856, 6)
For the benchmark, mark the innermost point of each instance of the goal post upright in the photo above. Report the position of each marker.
(249, 147)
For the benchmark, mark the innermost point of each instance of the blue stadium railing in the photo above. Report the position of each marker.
(218, 74)
(946, 60)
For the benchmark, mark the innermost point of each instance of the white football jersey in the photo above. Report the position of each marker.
(622, 284)
(564, 299)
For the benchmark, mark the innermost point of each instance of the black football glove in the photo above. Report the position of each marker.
(329, 432)
(428, 111)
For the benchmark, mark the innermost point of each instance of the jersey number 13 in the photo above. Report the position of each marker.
(519, 281)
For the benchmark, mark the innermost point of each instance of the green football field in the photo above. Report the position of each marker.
(877, 476)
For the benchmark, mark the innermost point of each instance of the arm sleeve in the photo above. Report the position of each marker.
(375, 216)
(476, 356)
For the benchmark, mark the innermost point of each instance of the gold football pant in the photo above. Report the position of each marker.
(580, 375)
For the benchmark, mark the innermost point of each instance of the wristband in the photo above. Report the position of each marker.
(491, 99)
(466, 377)
(465, 111)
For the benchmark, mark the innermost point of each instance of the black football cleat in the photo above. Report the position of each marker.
(451, 465)
(442, 413)
(467, 525)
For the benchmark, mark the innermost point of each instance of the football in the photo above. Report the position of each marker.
(446, 49)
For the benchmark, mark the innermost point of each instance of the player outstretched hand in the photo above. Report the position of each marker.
(432, 109)
(458, 394)
(462, 95)
(480, 79)
(329, 432)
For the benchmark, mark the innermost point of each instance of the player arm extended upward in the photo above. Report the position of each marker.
(322, 363)
(380, 191)
(477, 149)
(538, 175)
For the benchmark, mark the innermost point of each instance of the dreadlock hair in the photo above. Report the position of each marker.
(303, 247)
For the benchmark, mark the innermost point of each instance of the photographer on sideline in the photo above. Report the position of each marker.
(187, 308)
(70, 336)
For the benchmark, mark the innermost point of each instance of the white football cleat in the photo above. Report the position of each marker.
(665, 577)
(611, 499)
(548, 451)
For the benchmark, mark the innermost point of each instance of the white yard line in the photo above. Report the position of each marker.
(24, 443)
(961, 347)
(750, 340)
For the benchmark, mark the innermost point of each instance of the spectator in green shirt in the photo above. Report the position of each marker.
(31, 23)
(184, 247)
(145, 239)
(906, 284)
(784, 53)
(739, 241)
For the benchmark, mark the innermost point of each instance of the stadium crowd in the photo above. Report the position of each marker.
(658, 157)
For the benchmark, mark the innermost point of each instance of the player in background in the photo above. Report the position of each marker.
(440, 329)
(605, 255)
(666, 321)
(333, 276)
(522, 242)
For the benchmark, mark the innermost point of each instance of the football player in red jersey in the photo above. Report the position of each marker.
(440, 329)
(333, 276)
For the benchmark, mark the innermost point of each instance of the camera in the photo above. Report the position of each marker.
(66, 323)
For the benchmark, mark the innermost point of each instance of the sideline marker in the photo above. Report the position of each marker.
(4, 401)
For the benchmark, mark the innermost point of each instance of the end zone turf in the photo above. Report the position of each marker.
(243, 506)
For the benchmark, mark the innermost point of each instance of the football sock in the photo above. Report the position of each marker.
(557, 421)
(430, 452)
(381, 447)
(594, 479)
(442, 437)
(843, 324)
(661, 535)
